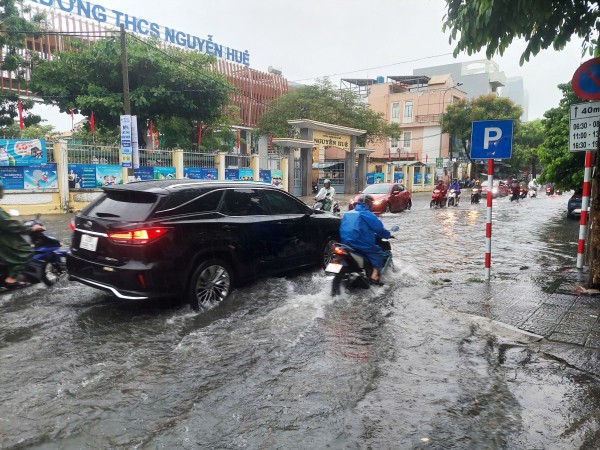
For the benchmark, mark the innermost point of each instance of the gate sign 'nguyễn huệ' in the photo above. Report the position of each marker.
(491, 139)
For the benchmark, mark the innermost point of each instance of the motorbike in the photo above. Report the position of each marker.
(350, 267)
(453, 197)
(558, 192)
(334, 208)
(522, 192)
(437, 199)
(532, 192)
(49, 258)
(549, 190)
(475, 195)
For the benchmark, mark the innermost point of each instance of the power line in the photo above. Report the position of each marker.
(375, 68)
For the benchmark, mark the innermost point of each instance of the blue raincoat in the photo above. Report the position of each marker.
(359, 229)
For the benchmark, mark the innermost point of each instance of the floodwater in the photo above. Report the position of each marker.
(283, 365)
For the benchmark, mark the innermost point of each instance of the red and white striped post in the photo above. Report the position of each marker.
(585, 201)
(488, 223)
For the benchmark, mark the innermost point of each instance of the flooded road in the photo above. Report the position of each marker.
(283, 365)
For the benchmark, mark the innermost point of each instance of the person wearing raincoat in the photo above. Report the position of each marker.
(15, 251)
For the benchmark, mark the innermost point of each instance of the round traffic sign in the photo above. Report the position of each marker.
(586, 80)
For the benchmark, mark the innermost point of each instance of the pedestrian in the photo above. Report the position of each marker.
(15, 251)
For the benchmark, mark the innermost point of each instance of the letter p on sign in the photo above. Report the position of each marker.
(491, 135)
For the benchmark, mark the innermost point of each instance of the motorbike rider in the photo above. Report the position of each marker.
(326, 195)
(15, 251)
(442, 188)
(515, 188)
(359, 230)
(456, 186)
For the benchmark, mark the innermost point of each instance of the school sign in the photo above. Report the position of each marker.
(148, 28)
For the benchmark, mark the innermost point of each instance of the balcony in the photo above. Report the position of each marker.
(428, 118)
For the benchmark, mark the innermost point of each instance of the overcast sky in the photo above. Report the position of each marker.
(343, 38)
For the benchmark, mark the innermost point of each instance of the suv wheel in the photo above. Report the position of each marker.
(210, 285)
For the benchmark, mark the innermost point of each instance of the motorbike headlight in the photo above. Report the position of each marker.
(495, 190)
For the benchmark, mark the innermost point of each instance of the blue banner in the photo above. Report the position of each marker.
(232, 174)
(144, 173)
(23, 152)
(42, 177)
(12, 178)
(164, 173)
(398, 177)
(246, 174)
(375, 177)
(200, 173)
(265, 176)
(108, 175)
(82, 176)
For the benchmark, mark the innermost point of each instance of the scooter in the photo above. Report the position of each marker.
(532, 192)
(350, 267)
(453, 198)
(522, 192)
(49, 258)
(437, 199)
(549, 190)
(475, 195)
(335, 206)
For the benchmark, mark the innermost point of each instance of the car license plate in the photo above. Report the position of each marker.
(88, 242)
(333, 268)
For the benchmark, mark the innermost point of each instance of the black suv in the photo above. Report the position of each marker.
(194, 239)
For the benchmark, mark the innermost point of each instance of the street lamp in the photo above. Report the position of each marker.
(442, 115)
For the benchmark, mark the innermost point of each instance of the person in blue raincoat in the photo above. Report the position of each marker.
(359, 230)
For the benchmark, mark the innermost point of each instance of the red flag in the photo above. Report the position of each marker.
(238, 139)
(406, 156)
(92, 123)
(426, 158)
(200, 131)
(271, 141)
(418, 157)
(72, 113)
(389, 154)
(20, 107)
(151, 135)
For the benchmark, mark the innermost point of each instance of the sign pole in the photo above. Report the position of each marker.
(488, 223)
(585, 201)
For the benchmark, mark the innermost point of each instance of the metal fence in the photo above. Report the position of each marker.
(156, 158)
(195, 159)
(237, 161)
(92, 154)
(273, 161)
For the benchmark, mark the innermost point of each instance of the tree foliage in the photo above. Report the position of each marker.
(324, 103)
(561, 167)
(165, 84)
(9, 111)
(526, 143)
(459, 116)
(494, 24)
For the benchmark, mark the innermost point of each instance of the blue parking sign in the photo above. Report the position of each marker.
(492, 139)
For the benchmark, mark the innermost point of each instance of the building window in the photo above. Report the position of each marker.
(395, 112)
(407, 138)
(408, 110)
(394, 143)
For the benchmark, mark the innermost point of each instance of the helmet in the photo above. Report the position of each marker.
(366, 199)
(326, 181)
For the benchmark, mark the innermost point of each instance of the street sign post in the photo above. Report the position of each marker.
(491, 139)
(584, 121)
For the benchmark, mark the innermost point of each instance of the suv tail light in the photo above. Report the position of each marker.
(137, 237)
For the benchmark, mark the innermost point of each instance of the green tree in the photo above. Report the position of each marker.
(494, 24)
(458, 118)
(325, 103)
(31, 132)
(526, 145)
(561, 167)
(9, 112)
(165, 84)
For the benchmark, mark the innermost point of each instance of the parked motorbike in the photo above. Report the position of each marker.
(49, 258)
(321, 205)
(350, 267)
(437, 199)
(475, 195)
(453, 197)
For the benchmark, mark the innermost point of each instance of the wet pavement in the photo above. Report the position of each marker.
(437, 358)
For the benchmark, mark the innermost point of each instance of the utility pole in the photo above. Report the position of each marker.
(126, 100)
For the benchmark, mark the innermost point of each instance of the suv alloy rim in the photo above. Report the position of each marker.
(212, 286)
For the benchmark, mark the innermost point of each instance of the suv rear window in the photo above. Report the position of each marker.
(123, 205)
